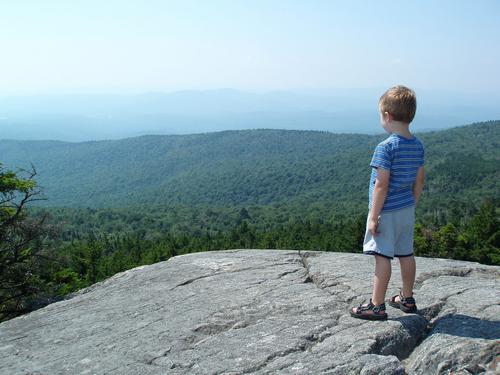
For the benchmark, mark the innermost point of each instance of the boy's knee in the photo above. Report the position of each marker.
(409, 258)
(382, 258)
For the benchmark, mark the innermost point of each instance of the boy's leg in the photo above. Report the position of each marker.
(404, 251)
(408, 270)
(380, 282)
(381, 279)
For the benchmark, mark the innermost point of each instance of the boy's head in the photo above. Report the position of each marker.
(400, 102)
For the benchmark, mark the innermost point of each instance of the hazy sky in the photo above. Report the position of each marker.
(63, 46)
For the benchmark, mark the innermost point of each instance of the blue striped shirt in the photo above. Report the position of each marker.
(402, 157)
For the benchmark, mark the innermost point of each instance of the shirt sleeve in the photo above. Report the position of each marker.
(382, 157)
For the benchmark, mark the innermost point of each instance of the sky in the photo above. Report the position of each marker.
(134, 46)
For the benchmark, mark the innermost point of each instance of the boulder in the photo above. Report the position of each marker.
(264, 312)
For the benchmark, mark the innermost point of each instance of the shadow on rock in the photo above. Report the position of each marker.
(467, 326)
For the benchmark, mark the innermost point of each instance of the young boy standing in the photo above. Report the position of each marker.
(396, 182)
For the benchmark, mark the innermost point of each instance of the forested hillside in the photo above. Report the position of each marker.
(250, 167)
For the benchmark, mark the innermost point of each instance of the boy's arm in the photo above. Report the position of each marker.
(379, 194)
(418, 186)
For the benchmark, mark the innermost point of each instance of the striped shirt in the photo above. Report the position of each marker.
(402, 157)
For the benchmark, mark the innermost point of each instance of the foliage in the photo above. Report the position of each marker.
(253, 167)
(21, 244)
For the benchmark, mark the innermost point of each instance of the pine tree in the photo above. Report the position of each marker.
(21, 246)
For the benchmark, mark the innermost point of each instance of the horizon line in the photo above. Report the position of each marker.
(374, 134)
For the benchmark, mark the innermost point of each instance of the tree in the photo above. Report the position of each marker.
(482, 234)
(21, 242)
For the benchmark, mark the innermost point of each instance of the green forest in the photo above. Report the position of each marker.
(249, 167)
(65, 226)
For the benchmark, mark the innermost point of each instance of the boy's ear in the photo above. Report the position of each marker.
(387, 116)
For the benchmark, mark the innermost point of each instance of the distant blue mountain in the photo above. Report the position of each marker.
(97, 117)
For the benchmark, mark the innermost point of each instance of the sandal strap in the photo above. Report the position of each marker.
(380, 308)
(370, 306)
(406, 300)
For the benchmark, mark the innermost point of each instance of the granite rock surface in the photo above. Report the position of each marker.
(262, 312)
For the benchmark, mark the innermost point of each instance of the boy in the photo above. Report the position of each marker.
(396, 182)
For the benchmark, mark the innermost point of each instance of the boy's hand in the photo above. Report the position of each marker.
(373, 227)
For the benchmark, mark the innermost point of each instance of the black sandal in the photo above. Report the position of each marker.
(406, 304)
(377, 312)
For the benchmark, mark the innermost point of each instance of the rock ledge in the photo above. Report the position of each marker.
(262, 311)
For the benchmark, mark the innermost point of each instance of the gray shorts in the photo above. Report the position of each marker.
(396, 234)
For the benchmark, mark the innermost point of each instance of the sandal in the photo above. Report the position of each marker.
(369, 311)
(406, 304)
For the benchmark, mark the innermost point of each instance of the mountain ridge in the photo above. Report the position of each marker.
(253, 166)
(108, 116)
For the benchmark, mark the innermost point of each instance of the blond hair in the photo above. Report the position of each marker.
(400, 102)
